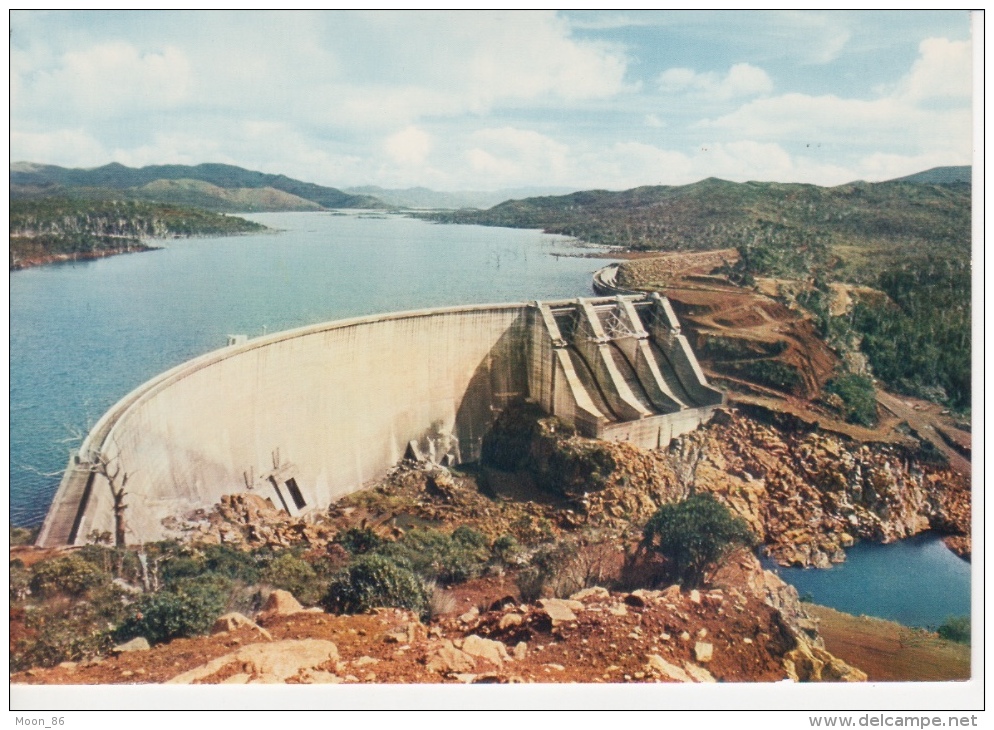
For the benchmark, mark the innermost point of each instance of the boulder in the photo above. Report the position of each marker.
(271, 663)
(280, 603)
(235, 621)
(493, 651)
(595, 592)
(558, 610)
(139, 643)
(447, 659)
(509, 620)
(703, 651)
(699, 674)
(670, 671)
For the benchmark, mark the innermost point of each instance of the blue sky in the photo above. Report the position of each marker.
(474, 100)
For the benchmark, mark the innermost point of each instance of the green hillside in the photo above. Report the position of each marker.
(210, 186)
(52, 227)
(852, 231)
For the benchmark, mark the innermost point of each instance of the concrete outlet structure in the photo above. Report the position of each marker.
(307, 416)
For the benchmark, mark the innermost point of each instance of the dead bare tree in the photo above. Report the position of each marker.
(110, 470)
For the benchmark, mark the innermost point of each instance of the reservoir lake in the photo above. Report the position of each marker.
(84, 334)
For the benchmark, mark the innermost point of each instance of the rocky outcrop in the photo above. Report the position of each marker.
(250, 520)
(808, 663)
(269, 663)
(808, 495)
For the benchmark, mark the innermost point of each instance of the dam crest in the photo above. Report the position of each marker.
(307, 416)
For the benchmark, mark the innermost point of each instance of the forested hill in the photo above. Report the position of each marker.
(886, 219)
(210, 186)
(53, 229)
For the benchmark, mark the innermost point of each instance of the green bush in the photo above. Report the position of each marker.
(23, 535)
(231, 563)
(858, 396)
(771, 373)
(69, 630)
(68, 575)
(505, 551)
(189, 608)
(470, 538)
(436, 556)
(572, 466)
(19, 580)
(373, 581)
(956, 629)
(359, 540)
(290, 573)
(693, 535)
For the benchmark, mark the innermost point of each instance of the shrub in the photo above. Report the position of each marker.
(373, 581)
(68, 575)
(436, 556)
(359, 540)
(20, 581)
(188, 608)
(771, 373)
(296, 575)
(440, 602)
(563, 568)
(507, 445)
(23, 535)
(956, 629)
(68, 630)
(859, 398)
(470, 538)
(230, 562)
(694, 534)
(505, 551)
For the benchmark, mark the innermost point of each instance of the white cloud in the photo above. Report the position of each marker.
(409, 146)
(63, 146)
(819, 38)
(108, 79)
(904, 120)
(742, 79)
(586, 21)
(944, 70)
(510, 156)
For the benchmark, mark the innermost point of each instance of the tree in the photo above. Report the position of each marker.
(106, 467)
(693, 535)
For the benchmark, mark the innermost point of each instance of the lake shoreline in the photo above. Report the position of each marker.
(889, 651)
(62, 258)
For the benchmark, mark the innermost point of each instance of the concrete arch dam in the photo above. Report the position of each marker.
(306, 416)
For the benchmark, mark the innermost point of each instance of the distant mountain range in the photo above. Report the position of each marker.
(215, 187)
(230, 189)
(941, 176)
(424, 198)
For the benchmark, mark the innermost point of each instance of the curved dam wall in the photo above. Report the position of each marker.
(330, 407)
(307, 416)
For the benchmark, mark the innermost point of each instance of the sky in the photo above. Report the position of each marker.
(488, 100)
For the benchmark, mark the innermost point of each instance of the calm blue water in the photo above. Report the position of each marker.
(83, 335)
(916, 582)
